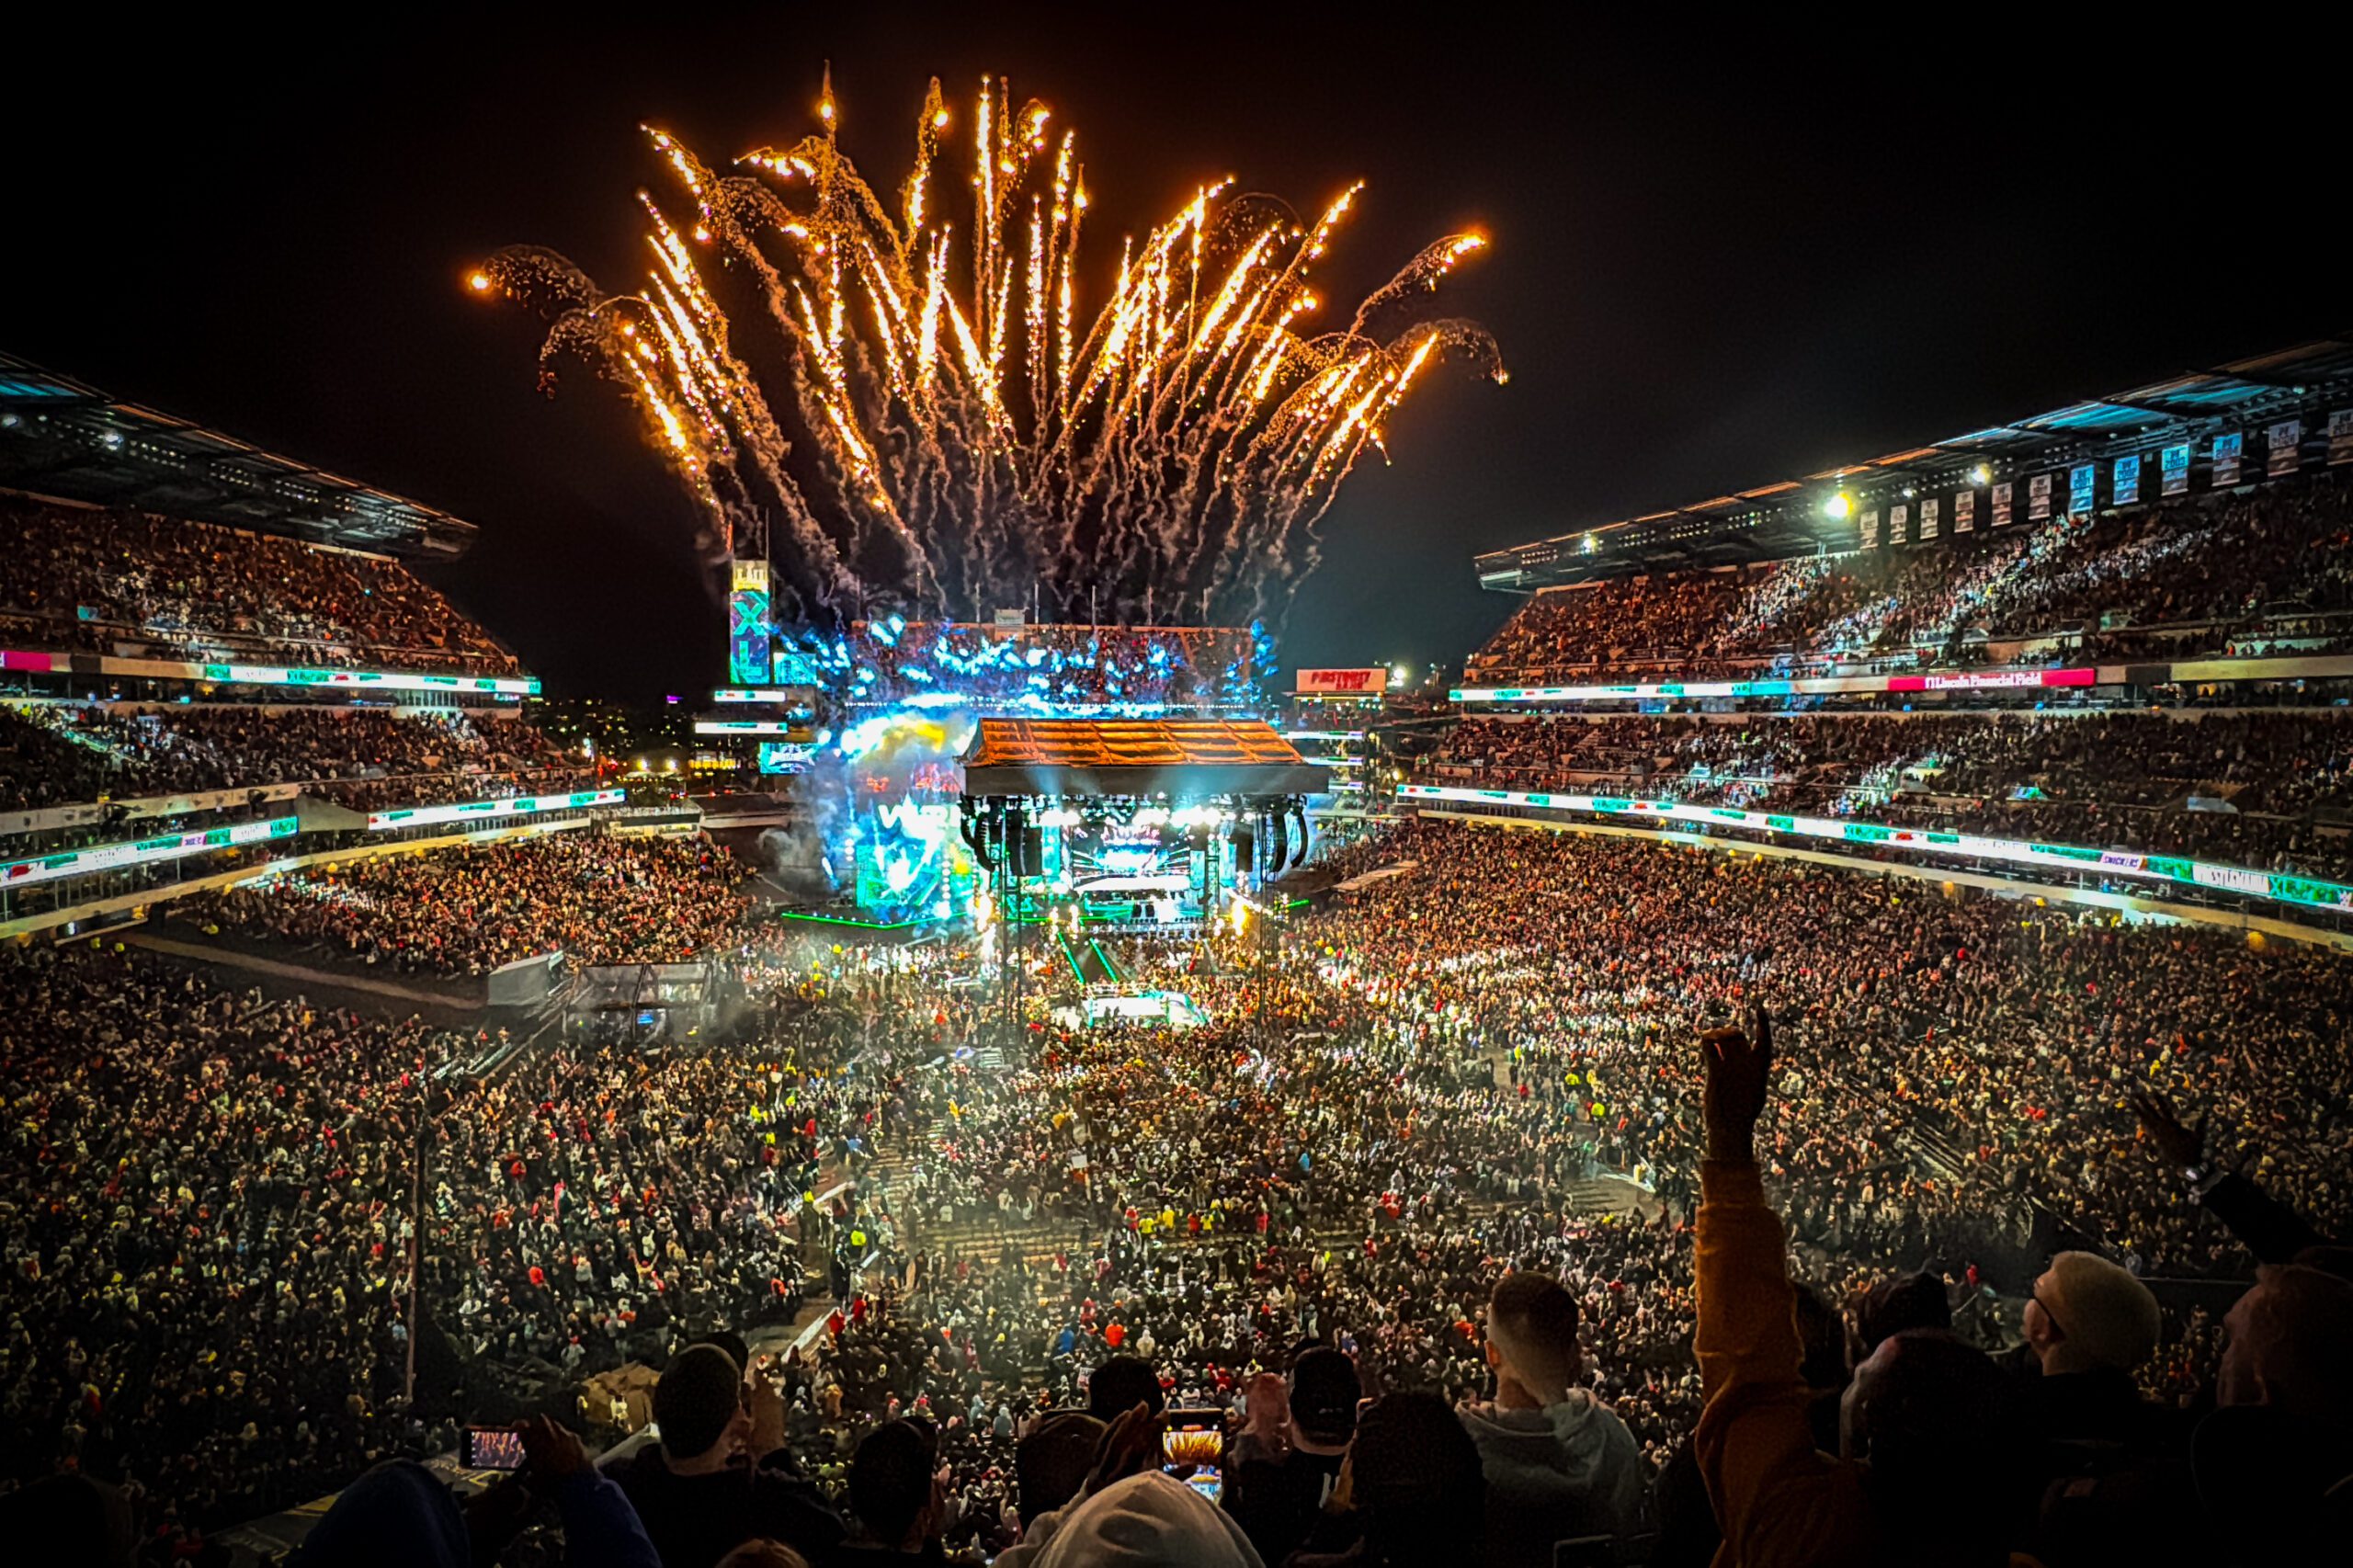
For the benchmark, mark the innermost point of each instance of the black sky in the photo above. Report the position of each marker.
(1724, 251)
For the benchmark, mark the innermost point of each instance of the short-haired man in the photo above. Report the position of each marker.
(699, 1492)
(1558, 1461)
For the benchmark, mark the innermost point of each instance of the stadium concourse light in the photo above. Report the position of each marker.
(1981, 476)
(1839, 506)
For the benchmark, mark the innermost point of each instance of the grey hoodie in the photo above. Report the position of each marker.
(1567, 1470)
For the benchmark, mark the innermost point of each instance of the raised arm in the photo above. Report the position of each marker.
(2271, 1230)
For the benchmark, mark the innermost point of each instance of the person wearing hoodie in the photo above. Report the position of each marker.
(1559, 1463)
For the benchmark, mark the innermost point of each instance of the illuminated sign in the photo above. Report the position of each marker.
(1636, 689)
(1961, 680)
(365, 680)
(787, 756)
(2277, 886)
(141, 852)
(1986, 680)
(505, 806)
(1344, 683)
(797, 729)
(804, 694)
(749, 633)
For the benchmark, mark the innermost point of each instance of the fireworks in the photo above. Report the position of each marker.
(911, 411)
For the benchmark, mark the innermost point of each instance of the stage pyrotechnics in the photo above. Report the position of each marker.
(933, 447)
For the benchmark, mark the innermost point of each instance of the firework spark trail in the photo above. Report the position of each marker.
(960, 435)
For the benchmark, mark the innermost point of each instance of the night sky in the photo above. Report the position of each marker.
(1723, 253)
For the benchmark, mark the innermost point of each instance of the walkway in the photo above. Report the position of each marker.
(301, 975)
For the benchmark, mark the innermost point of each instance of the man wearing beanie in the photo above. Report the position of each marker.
(1151, 1521)
(699, 1492)
(1276, 1500)
(2089, 1326)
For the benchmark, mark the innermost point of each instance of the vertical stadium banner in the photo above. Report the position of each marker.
(2124, 485)
(747, 625)
(1899, 523)
(2002, 505)
(2340, 436)
(2173, 469)
(2287, 443)
(1964, 511)
(1344, 683)
(2037, 498)
(2083, 489)
(2226, 458)
(1870, 528)
(1929, 517)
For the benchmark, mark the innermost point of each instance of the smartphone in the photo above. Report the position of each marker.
(490, 1448)
(1192, 1448)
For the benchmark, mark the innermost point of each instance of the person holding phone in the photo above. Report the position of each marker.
(399, 1515)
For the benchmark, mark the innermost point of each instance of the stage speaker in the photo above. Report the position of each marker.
(1277, 846)
(1245, 847)
(1027, 846)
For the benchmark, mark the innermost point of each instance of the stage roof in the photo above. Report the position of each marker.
(1786, 517)
(1186, 759)
(63, 437)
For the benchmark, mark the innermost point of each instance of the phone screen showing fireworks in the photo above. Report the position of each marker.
(1192, 1448)
(491, 1448)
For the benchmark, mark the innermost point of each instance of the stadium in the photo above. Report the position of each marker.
(1822, 1040)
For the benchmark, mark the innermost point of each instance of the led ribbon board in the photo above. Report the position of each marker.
(141, 852)
(803, 695)
(2278, 887)
(1824, 686)
(475, 811)
(367, 680)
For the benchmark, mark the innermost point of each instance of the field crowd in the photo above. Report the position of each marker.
(1398, 1105)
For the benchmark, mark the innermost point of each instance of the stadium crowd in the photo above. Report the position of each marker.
(82, 578)
(57, 754)
(208, 1218)
(599, 897)
(2103, 774)
(1397, 1107)
(2185, 579)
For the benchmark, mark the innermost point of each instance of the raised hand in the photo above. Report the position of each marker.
(1738, 1065)
(1130, 1446)
(2170, 1138)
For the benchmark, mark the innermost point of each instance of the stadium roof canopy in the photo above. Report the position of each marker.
(62, 437)
(1788, 517)
(1185, 760)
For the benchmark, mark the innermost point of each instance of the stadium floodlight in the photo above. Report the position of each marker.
(1981, 476)
(1839, 504)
